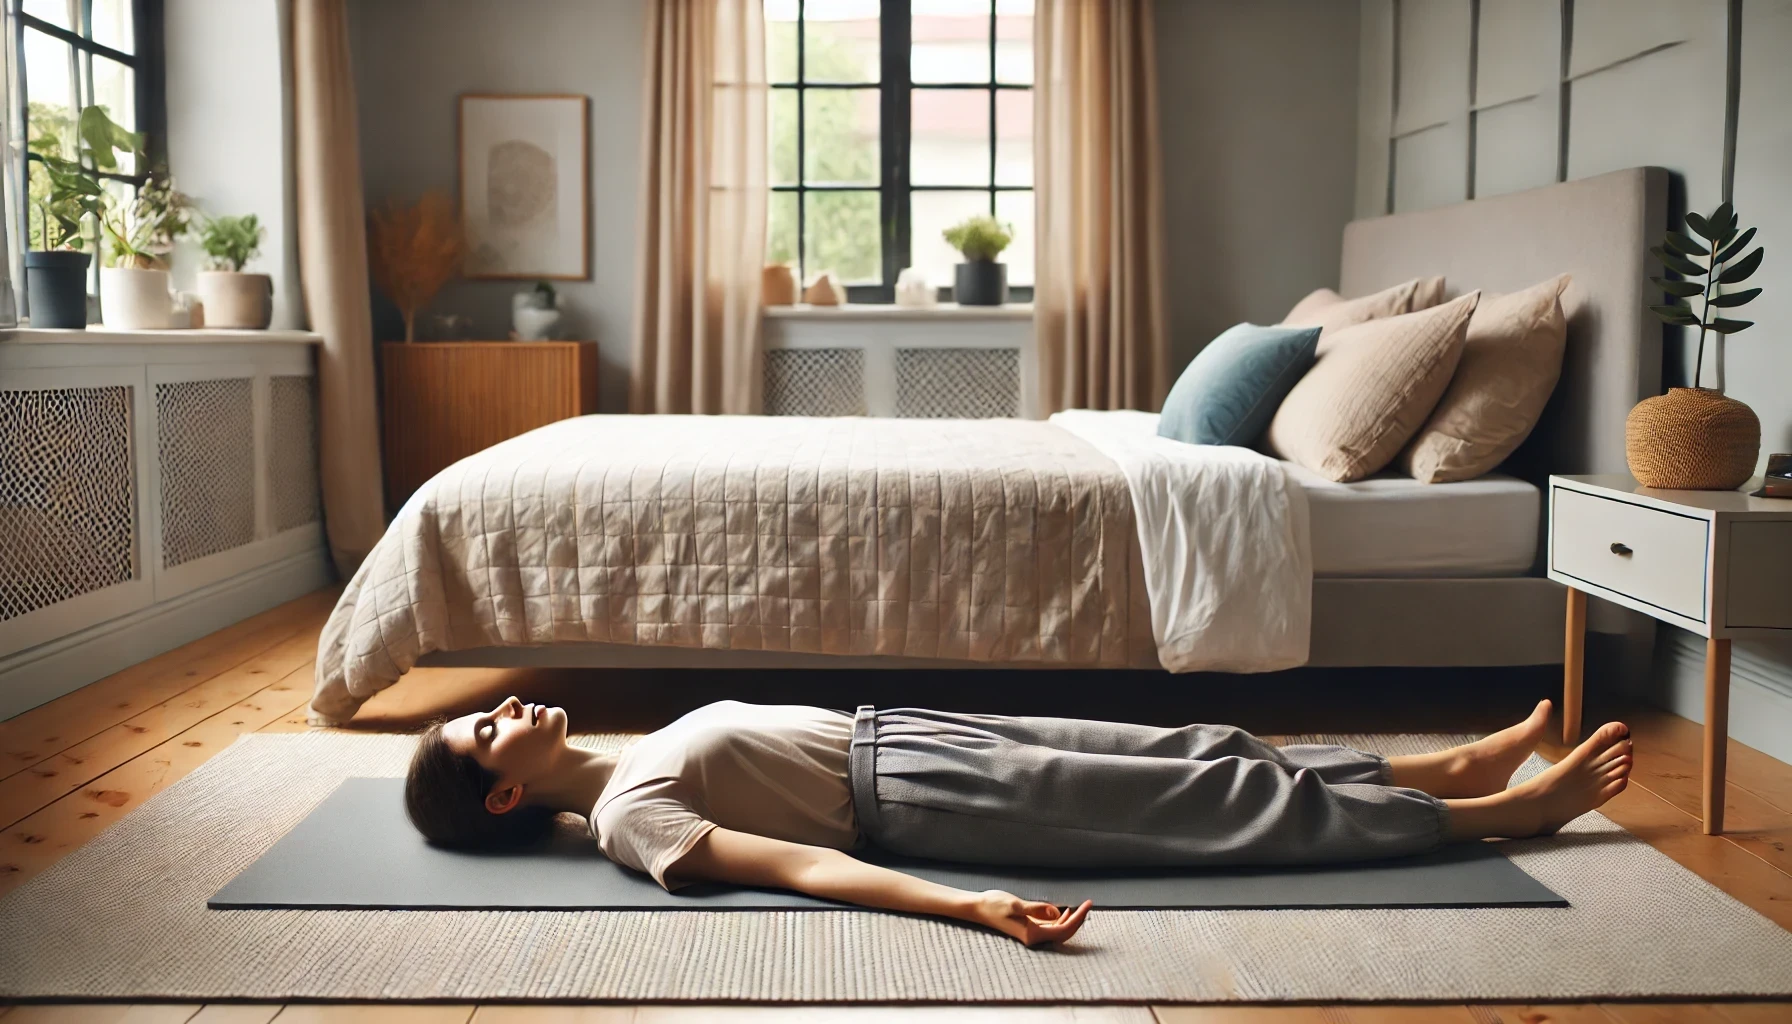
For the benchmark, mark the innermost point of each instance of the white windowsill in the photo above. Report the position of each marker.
(879, 311)
(100, 334)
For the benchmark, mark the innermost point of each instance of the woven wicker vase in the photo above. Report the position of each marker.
(1692, 439)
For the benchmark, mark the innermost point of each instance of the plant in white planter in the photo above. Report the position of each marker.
(134, 286)
(228, 297)
(56, 273)
(980, 280)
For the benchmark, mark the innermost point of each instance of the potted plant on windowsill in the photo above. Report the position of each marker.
(1697, 438)
(980, 280)
(229, 298)
(56, 274)
(134, 285)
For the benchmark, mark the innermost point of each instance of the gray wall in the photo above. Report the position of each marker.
(413, 58)
(1477, 107)
(1258, 106)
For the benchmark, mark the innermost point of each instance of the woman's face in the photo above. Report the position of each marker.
(516, 741)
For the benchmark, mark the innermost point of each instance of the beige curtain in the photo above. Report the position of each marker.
(703, 205)
(332, 239)
(1098, 302)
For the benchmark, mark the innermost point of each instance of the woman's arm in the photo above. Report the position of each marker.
(741, 858)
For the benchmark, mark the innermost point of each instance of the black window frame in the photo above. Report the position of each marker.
(150, 116)
(895, 86)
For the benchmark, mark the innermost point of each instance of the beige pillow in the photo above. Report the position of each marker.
(1329, 311)
(1370, 391)
(1511, 360)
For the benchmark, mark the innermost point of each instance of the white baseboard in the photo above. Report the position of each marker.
(38, 674)
(1760, 687)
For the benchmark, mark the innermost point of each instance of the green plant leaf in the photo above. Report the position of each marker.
(1722, 221)
(1684, 245)
(1729, 252)
(1683, 289)
(1735, 298)
(1678, 263)
(1742, 268)
(1701, 226)
(1675, 315)
(1730, 326)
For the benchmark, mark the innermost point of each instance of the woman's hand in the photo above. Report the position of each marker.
(1032, 922)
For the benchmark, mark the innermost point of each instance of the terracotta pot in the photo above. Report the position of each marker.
(777, 286)
(132, 299)
(1692, 439)
(239, 301)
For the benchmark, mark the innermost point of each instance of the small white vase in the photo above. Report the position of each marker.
(531, 319)
(135, 300)
(234, 301)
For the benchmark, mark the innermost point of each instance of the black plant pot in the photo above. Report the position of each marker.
(980, 283)
(56, 287)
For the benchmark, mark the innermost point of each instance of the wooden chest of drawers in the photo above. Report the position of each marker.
(443, 401)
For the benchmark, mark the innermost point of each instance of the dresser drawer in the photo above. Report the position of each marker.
(1645, 553)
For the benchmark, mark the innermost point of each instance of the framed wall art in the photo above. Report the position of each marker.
(525, 186)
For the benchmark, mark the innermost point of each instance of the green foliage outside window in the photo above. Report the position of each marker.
(64, 187)
(843, 227)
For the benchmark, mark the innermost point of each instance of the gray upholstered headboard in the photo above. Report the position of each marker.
(1597, 229)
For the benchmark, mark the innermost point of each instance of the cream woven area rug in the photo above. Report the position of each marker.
(125, 917)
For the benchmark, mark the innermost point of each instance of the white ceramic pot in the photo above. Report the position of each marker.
(135, 300)
(239, 301)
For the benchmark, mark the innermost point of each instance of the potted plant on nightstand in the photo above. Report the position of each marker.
(56, 274)
(229, 298)
(980, 280)
(134, 291)
(1696, 438)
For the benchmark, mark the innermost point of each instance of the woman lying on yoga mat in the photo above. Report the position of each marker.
(770, 796)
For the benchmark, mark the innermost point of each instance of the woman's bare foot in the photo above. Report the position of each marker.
(1591, 774)
(1480, 768)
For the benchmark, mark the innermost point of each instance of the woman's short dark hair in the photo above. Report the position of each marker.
(444, 796)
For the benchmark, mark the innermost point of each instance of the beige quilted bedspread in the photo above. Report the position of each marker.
(980, 540)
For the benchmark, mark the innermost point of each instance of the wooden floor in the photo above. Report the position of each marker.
(72, 767)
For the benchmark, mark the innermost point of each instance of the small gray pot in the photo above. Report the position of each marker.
(980, 283)
(56, 284)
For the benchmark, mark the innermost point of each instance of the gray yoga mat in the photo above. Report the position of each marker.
(355, 850)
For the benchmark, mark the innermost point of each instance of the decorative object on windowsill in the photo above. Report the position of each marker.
(912, 288)
(1777, 481)
(135, 292)
(777, 285)
(980, 280)
(56, 274)
(187, 311)
(414, 250)
(1696, 439)
(824, 291)
(233, 300)
(535, 313)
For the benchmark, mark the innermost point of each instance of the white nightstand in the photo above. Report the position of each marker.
(1718, 563)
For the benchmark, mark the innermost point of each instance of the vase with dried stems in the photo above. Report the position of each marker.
(414, 250)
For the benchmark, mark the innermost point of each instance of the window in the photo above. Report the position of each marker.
(72, 54)
(890, 122)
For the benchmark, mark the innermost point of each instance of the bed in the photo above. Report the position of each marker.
(1085, 541)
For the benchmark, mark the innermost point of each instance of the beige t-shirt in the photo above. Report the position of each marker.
(775, 770)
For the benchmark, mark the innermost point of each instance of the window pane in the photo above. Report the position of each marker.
(841, 234)
(60, 13)
(931, 213)
(840, 41)
(949, 41)
(1014, 137)
(949, 137)
(49, 87)
(112, 25)
(780, 229)
(1015, 209)
(781, 127)
(115, 91)
(1014, 41)
(780, 40)
(841, 143)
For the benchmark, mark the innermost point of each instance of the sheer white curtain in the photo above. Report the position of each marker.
(11, 190)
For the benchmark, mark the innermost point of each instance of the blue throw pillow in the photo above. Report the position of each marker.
(1230, 391)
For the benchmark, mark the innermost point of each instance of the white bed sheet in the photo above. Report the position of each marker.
(1394, 526)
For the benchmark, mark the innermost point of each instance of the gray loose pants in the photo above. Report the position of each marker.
(1062, 792)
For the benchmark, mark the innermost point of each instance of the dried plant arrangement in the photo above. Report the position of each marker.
(414, 250)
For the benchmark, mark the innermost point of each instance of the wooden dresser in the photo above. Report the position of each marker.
(445, 400)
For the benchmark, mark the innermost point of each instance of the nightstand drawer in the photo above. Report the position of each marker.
(1653, 556)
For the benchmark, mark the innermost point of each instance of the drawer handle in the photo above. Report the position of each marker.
(1620, 549)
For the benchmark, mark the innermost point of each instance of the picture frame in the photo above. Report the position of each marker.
(525, 185)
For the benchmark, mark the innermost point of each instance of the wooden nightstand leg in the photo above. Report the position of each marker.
(1717, 731)
(1574, 656)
